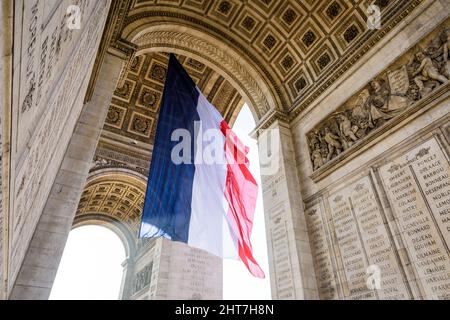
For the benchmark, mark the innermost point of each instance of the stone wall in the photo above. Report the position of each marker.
(1, 207)
(381, 202)
(392, 212)
(375, 189)
(166, 270)
(6, 10)
(1, 183)
(291, 267)
(51, 67)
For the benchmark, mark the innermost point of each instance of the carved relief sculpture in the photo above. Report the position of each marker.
(411, 78)
(143, 278)
(446, 48)
(426, 73)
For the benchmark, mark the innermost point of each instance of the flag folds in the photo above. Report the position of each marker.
(200, 190)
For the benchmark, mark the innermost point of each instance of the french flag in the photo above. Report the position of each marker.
(200, 190)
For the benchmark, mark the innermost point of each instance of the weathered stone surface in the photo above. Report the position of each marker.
(163, 270)
(362, 240)
(6, 55)
(323, 266)
(418, 187)
(363, 228)
(292, 277)
(411, 78)
(54, 67)
(57, 217)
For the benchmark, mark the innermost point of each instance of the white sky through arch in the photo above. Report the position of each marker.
(90, 267)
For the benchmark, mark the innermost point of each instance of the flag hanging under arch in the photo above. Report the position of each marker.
(206, 205)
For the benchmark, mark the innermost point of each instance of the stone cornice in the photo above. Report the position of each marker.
(269, 119)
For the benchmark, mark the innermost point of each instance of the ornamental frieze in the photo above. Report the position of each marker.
(414, 76)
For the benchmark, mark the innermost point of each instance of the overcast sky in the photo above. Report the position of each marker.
(91, 264)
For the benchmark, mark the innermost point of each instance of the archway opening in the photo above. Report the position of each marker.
(91, 265)
(109, 194)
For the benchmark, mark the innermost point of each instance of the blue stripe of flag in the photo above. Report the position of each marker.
(168, 198)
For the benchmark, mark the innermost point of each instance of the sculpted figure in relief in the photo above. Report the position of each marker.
(97, 162)
(426, 72)
(446, 51)
(318, 156)
(346, 127)
(378, 103)
(333, 143)
(361, 114)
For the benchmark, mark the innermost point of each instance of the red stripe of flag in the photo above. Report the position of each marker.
(241, 192)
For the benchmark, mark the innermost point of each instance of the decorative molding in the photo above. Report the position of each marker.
(213, 54)
(130, 125)
(268, 120)
(425, 133)
(100, 163)
(116, 195)
(126, 16)
(345, 54)
(111, 40)
(210, 27)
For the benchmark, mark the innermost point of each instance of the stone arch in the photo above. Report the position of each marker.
(191, 42)
(113, 198)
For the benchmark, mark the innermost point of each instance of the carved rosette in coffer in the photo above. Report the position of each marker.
(390, 220)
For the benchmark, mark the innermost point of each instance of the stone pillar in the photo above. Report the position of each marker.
(290, 261)
(127, 279)
(6, 43)
(191, 274)
(176, 271)
(44, 253)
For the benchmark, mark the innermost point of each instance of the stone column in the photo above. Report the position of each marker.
(290, 260)
(191, 273)
(6, 43)
(179, 272)
(42, 259)
(127, 279)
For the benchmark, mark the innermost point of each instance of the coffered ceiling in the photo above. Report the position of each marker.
(135, 105)
(131, 120)
(120, 197)
(299, 47)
